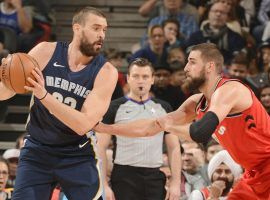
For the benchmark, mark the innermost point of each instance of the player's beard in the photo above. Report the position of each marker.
(193, 84)
(87, 48)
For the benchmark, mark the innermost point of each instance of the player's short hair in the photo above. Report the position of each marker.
(141, 62)
(80, 16)
(210, 52)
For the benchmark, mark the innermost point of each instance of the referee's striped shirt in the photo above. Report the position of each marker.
(140, 151)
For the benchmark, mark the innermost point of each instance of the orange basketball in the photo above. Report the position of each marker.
(15, 70)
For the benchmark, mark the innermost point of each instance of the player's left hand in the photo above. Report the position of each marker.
(37, 85)
(173, 192)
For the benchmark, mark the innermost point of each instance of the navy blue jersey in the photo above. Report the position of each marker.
(70, 88)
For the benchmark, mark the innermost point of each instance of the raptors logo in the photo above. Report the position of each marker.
(250, 121)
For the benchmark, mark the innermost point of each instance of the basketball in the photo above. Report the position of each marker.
(15, 70)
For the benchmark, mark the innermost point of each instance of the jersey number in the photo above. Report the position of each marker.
(68, 100)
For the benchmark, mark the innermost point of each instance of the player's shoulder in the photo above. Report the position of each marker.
(43, 52)
(45, 46)
(108, 70)
(232, 86)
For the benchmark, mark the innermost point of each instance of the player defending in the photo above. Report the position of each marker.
(72, 92)
(227, 110)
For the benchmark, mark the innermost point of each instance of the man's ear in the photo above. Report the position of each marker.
(210, 66)
(76, 27)
(127, 77)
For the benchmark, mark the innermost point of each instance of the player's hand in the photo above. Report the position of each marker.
(173, 192)
(109, 193)
(38, 85)
(165, 123)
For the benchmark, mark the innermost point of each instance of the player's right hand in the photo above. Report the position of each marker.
(109, 193)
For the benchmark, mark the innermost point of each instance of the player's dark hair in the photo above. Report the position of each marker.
(141, 62)
(80, 16)
(210, 52)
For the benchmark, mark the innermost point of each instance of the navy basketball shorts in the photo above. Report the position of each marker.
(41, 168)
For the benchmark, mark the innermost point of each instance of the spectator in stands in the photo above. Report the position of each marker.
(116, 59)
(238, 21)
(155, 51)
(265, 97)
(137, 161)
(43, 19)
(263, 63)
(17, 18)
(223, 171)
(162, 88)
(176, 61)
(178, 74)
(187, 22)
(191, 178)
(176, 54)
(172, 34)
(12, 157)
(264, 20)
(214, 30)
(5, 194)
(238, 68)
(155, 8)
(211, 148)
(264, 56)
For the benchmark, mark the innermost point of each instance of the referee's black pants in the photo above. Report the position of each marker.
(138, 183)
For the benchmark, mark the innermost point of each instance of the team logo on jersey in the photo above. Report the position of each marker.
(57, 65)
(250, 121)
(221, 130)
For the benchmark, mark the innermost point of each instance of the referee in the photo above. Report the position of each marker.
(136, 172)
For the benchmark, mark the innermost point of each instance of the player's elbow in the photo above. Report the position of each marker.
(83, 127)
(202, 130)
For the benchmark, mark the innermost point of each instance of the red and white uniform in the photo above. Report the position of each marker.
(246, 136)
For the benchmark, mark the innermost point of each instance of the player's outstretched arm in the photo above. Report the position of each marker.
(148, 127)
(138, 128)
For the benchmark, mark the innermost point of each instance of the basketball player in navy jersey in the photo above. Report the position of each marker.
(72, 92)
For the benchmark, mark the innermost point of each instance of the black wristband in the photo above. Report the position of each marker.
(43, 96)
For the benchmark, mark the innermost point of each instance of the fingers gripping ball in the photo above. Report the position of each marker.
(15, 70)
